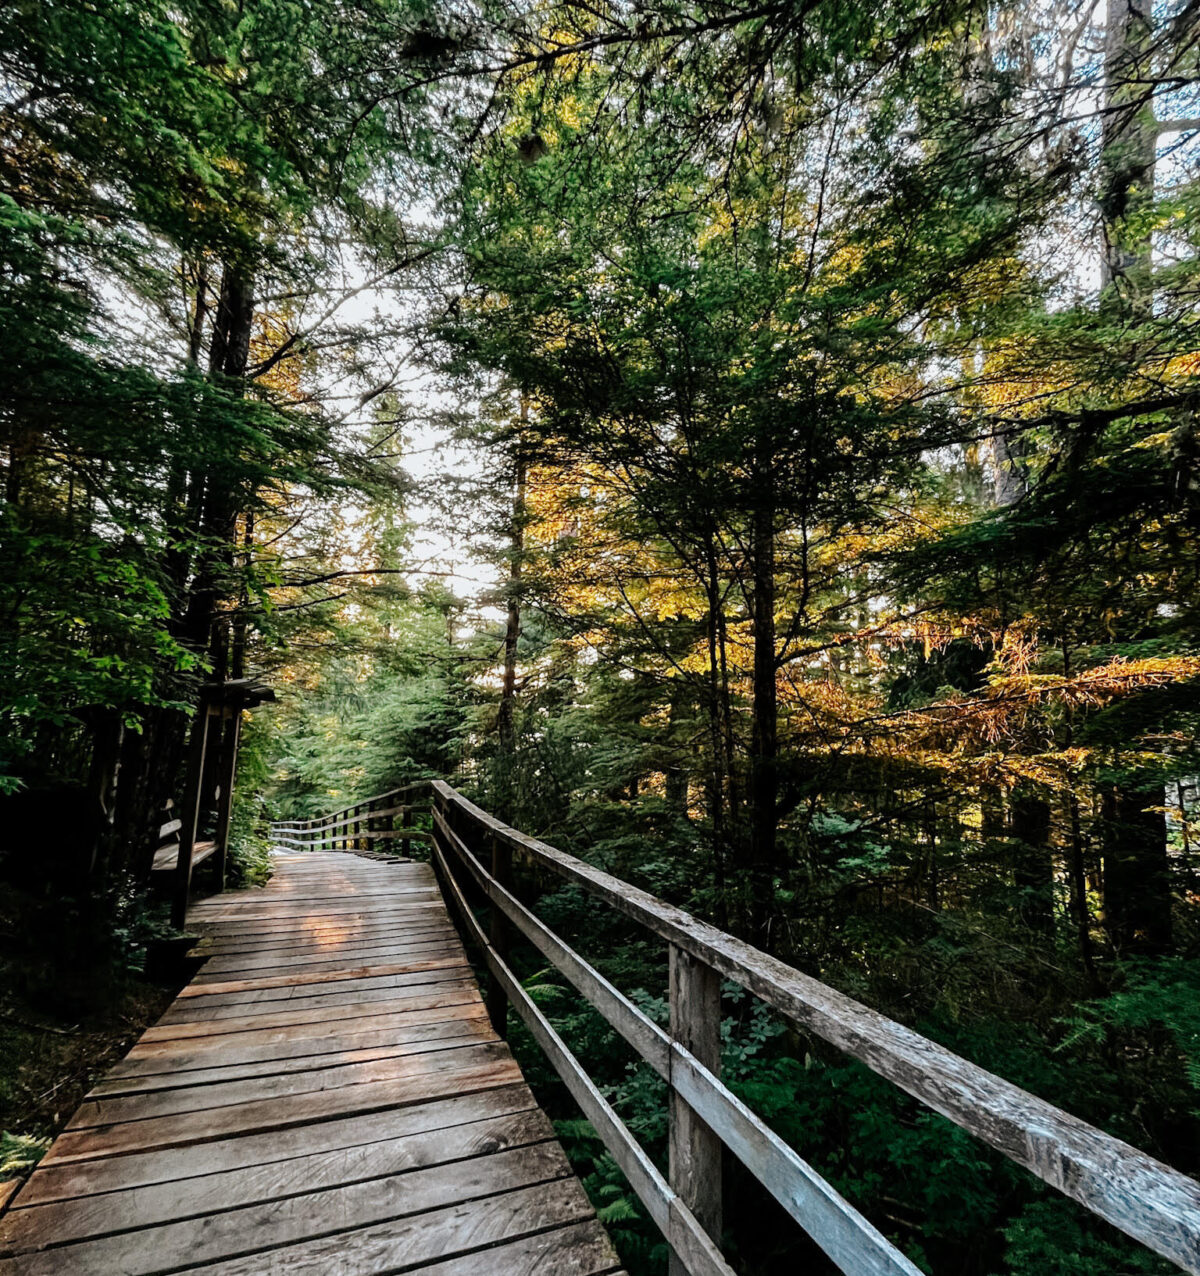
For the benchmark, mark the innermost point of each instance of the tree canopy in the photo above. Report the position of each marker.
(753, 445)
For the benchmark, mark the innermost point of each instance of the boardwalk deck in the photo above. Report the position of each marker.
(327, 1096)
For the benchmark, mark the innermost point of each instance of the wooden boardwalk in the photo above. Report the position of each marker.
(326, 1097)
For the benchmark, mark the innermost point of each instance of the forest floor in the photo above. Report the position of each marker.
(54, 1047)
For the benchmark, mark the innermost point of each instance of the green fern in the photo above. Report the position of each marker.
(19, 1153)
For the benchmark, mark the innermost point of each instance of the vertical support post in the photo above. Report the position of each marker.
(406, 820)
(231, 737)
(694, 1152)
(190, 813)
(497, 998)
(372, 822)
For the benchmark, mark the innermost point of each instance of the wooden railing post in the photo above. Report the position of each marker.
(406, 820)
(694, 1151)
(190, 813)
(497, 998)
(230, 739)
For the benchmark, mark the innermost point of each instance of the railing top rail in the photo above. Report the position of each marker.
(330, 815)
(344, 822)
(1145, 1198)
(838, 1228)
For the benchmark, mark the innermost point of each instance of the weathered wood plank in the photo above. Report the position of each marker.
(694, 1151)
(108, 1110)
(439, 1234)
(375, 989)
(581, 1249)
(63, 1181)
(463, 996)
(394, 1026)
(286, 1221)
(219, 969)
(264, 922)
(156, 1073)
(226, 943)
(141, 1207)
(311, 979)
(269, 1114)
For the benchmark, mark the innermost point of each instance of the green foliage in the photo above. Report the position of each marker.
(1046, 1239)
(1163, 995)
(19, 1153)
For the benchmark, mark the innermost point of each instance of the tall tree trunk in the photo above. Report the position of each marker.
(228, 361)
(506, 722)
(241, 617)
(675, 776)
(1136, 871)
(1129, 143)
(764, 741)
(198, 504)
(1033, 864)
(1079, 893)
(719, 770)
(506, 718)
(1137, 881)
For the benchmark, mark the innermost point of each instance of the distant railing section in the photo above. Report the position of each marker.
(1146, 1199)
(362, 826)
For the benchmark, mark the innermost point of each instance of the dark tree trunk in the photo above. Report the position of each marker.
(1137, 881)
(764, 743)
(506, 718)
(1129, 145)
(1079, 892)
(675, 776)
(1033, 864)
(718, 772)
(229, 359)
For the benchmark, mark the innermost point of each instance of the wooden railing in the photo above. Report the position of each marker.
(1144, 1198)
(474, 852)
(387, 817)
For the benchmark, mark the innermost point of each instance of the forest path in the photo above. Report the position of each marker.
(326, 1096)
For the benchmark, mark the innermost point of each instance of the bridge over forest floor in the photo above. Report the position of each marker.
(326, 1096)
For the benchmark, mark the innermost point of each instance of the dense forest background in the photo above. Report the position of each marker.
(751, 446)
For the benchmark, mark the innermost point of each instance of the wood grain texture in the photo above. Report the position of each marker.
(54, 1182)
(440, 1234)
(694, 1151)
(133, 1208)
(328, 1096)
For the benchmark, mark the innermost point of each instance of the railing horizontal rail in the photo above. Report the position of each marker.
(403, 788)
(677, 1223)
(1141, 1196)
(360, 825)
(840, 1230)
